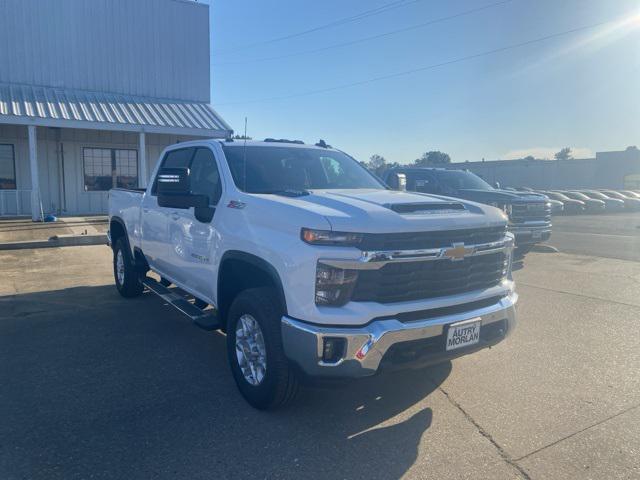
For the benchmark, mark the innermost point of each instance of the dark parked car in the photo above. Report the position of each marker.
(529, 213)
(557, 207)
(571, 206)
(591, 204)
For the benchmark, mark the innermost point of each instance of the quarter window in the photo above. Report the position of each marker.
(106, 168)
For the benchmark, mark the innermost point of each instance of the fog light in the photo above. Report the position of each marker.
(333, 349)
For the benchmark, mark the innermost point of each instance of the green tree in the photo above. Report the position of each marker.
(563, 154)
(377, 162)
(433, 159)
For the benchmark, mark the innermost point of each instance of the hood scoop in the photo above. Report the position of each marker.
(426, 208)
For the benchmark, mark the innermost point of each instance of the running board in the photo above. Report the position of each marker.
(205, 319)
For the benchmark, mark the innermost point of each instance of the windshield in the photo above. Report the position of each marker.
(598, 195)
(462, 180)
(617, 195)
(576, 195)
(556, 196)
(278, 169)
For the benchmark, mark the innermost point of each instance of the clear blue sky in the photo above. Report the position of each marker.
(579, 90)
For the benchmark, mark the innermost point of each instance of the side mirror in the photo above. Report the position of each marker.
(496, 185)
(173, 187)
(398, 181)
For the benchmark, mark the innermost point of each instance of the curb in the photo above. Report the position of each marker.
(57, 241)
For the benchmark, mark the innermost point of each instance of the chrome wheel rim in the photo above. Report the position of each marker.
(120, 267)
(250, 350)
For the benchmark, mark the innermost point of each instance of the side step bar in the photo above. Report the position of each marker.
(206, 319)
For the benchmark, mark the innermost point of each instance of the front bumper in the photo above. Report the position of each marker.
(382, 343)
(526, 234)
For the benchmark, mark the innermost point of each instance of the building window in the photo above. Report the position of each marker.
(7, 168)
(106, 168)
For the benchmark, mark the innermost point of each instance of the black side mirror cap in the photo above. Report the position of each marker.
(173, 181)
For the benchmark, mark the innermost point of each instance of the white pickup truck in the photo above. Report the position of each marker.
(310, 264)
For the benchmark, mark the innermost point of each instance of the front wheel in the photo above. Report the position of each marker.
(254, 348)
(126, 277)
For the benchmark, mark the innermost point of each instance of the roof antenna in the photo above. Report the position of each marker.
(244, 157)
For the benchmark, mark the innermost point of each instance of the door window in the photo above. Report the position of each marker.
(180, 158)
(205, 178)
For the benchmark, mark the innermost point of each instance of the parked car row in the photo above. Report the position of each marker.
(577, 201)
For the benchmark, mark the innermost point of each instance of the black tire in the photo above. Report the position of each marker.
(129, 286)
(279, 385)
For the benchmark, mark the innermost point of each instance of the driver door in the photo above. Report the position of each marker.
(193, 243)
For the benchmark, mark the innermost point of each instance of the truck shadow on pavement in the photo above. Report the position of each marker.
(94, 385)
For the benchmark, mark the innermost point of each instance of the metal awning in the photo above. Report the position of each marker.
(58, 107)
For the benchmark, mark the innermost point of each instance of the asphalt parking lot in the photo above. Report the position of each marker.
(609, 236)
(96, 386)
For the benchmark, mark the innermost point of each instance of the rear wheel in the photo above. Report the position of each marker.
(124, 271)
(254, 349)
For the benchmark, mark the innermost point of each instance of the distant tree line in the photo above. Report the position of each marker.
(378, 164)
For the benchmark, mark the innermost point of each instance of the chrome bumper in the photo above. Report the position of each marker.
(366, 346)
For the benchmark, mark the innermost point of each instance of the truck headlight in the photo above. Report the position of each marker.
(329, 237)
(334, 286)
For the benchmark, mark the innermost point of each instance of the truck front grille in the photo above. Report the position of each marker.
(438, 239)
(402, 282)
(530, 212)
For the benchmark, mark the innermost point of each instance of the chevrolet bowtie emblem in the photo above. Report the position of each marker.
(457, 252)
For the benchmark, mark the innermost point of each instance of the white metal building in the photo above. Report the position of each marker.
(91, 91)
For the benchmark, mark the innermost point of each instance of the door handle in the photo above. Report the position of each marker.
(145, 210)
(175, 216)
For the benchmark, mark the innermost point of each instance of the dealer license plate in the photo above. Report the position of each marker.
(536, 235)
(463, 334)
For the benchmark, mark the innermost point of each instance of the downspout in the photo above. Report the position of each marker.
(63, 188)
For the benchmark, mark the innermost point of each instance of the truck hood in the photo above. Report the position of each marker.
(501, 196)
(383, 211)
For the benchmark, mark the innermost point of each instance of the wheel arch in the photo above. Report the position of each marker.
(118, 230)
(241, 270)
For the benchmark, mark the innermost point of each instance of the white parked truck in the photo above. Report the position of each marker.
(311, 266)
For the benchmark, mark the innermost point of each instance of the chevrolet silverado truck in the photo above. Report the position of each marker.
(310, 265)
(529, 213)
